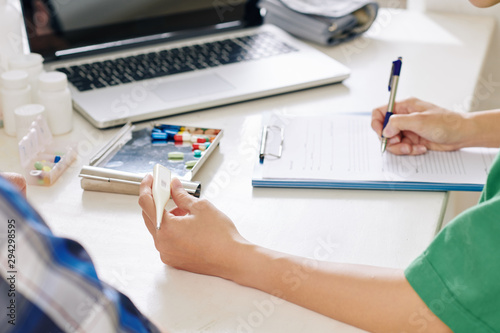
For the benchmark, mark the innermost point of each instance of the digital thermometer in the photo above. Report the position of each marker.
(161, 190)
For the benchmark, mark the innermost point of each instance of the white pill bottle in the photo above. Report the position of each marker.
(32, 64)
(15, 91)
(10, 38)
(54, 94)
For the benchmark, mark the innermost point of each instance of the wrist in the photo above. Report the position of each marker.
(252, 266)
(469, 130)
(482, 129)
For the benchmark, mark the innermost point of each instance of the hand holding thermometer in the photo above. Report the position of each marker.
(393, 87)
(161, 190)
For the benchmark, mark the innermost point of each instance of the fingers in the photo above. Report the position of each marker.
(149, 224)
(403, 107)
(17, 179)
(394, 140)
(407, 149)
(378, 115)
(405, 122)
(182, 199)
(146, 185)
(178, 212)
(146, 199)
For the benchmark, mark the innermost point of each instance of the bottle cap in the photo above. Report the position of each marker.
(25, 61)
(16, 79)
(52, 81)
(25, 116)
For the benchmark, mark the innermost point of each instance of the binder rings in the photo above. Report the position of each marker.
(343, 152)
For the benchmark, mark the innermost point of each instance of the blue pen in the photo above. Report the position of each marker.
(393, 87)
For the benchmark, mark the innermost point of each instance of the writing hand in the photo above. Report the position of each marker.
(417, 126)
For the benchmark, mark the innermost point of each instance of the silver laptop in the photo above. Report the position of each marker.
(141, 59)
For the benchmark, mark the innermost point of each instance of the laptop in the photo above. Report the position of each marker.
(136, 60)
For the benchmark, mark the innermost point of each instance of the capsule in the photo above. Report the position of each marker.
(202, 139)
(159, 136)
(171, 133)
(200, 146)
(185, 136)
(175, 155)
(165, 127)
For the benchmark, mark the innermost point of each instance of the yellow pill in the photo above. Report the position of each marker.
(46, 168)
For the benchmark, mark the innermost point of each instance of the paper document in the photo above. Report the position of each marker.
(344, 148)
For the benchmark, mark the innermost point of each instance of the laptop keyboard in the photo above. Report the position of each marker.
(173, 61)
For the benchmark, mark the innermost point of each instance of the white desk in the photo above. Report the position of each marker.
(443, 55)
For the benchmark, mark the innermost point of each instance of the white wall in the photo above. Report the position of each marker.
(487, 94)
(488, 90)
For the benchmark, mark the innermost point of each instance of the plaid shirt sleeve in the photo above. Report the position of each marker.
(49, 284)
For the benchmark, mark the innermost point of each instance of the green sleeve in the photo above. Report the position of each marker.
(458, 276)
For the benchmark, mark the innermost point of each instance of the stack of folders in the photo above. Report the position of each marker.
(323, 22)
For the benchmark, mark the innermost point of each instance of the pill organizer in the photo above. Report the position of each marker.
(43, 161)
(182, 149)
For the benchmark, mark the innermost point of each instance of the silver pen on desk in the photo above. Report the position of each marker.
(393, 87)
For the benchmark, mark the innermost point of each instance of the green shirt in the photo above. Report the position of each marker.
(458, 276)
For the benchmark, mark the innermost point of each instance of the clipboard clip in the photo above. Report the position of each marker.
(263, 142)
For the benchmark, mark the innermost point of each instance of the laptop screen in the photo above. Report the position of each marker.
(59, 28)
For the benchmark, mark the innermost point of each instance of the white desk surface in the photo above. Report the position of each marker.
(443, 56)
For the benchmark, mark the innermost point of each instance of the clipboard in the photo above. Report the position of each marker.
(353, 160)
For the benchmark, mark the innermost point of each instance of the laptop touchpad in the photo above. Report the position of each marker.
(192, 87)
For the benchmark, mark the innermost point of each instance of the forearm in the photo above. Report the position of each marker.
(372, 298)
(483, 129)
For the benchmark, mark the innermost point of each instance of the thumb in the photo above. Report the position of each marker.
(402, 122)
(182, 199)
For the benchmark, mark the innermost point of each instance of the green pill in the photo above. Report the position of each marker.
(175, 155)
(38, 165)
(190, 164)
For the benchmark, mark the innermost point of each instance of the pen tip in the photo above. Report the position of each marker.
(383, 145)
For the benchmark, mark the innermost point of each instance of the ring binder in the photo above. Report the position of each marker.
(263, 142)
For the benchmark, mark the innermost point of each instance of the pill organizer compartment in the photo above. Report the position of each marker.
(42, 161)
(181, 149)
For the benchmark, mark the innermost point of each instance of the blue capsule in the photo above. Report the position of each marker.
(164, 127)
(159, 136)
(170, 133)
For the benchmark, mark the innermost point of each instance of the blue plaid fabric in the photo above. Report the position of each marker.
(49, 284)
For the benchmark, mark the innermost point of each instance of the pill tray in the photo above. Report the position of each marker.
(137, 151)
(42, 161)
